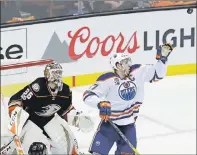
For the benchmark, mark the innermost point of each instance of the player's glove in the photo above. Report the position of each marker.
(163, 52)
(105, 110)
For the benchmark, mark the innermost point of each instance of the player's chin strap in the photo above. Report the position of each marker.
(124, 137)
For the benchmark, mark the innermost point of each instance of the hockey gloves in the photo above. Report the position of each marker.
(163, 52)
(105, 110)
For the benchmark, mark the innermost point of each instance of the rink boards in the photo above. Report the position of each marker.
(83, 46)
(82, 80)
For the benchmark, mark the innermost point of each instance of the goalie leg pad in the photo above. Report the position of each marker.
(32, 133)
(61, 136)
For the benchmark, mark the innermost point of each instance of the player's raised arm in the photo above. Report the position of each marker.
(157, 71)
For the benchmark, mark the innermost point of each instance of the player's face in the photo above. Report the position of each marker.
(126, 64)
(55, 78)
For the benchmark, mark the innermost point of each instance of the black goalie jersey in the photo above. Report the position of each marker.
(36, 98)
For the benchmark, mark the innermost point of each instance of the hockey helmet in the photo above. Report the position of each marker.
(120, 58)
(53, 73)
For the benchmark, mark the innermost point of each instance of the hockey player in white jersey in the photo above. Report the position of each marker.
(118, 95)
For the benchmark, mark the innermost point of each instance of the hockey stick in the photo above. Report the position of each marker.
(18, 144)
(15, 143)
(6, 149)
(124, 138)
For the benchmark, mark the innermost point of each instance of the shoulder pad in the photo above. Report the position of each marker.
(106, 76)
(37, 84)
(134, 67)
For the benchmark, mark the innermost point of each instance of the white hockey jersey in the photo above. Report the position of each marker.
(125, 95)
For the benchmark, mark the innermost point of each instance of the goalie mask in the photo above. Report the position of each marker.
(53, 74)
(121, 62)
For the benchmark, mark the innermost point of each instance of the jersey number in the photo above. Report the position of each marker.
(27, 94)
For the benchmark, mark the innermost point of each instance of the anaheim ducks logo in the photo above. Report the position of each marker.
(48, 110)
(127, 90)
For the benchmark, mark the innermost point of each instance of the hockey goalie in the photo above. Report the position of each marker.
(40, 115)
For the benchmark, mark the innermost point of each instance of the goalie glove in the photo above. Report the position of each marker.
(163, 52)
(80, 120)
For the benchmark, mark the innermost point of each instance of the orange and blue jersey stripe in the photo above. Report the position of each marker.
(103, 77)
(107, 76)
(88, 93)
(135, 67)
(126, 113)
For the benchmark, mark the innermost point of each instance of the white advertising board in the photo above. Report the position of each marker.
(84, 45)
(13, 44)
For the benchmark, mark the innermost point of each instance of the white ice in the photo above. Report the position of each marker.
(167, 121)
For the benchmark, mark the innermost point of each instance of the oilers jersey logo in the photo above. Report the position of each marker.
(127, 90)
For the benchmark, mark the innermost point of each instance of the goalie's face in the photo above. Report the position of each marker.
(53, 74)
(55, 77)
(56, 74)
